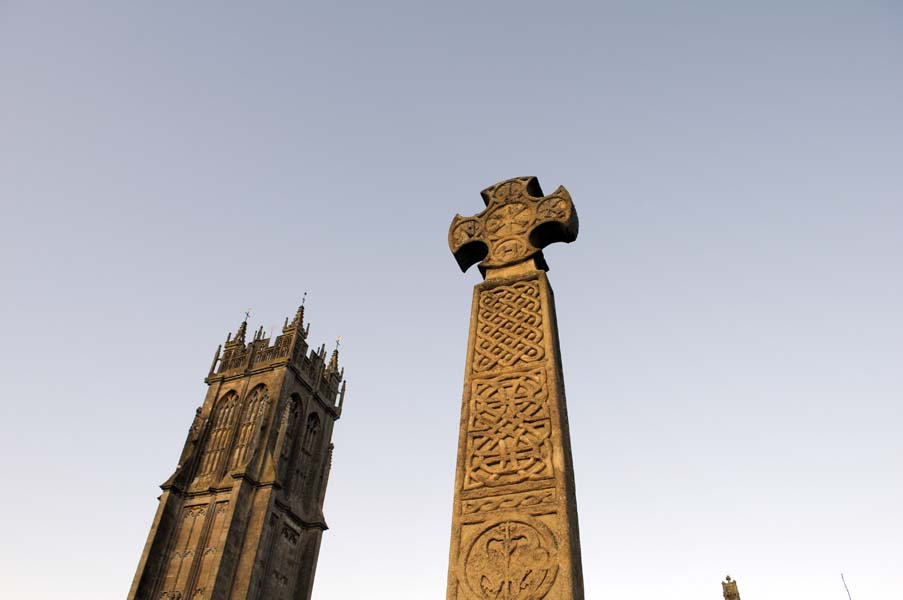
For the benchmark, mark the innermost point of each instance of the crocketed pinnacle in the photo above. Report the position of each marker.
(240, 334)
(334, 362)
(299, 317)
(297, 323)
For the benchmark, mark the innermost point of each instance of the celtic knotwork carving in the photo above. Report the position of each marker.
(509, 431)
(512, 560)
(508, 501)
(519, 396)
(517, 224)
(509, 326)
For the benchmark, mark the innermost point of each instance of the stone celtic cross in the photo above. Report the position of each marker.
(517, 224)
(514, 525)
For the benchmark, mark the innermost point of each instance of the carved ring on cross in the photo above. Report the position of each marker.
(519, 221)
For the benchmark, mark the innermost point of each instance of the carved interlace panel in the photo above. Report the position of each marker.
(509, 501)
(509, 450)
(509, 431)
(509, 327)
(511, 560)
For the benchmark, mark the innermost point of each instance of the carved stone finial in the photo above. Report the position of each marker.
(519, 221)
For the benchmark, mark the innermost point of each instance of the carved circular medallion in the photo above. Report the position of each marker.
(509, 250)
(514, 559)
(513, 218)
(513, 189)
(465, 231)
(555, 207)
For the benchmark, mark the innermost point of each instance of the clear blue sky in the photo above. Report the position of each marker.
(731, 316)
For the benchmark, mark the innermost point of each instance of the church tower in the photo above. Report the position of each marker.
(242, 516)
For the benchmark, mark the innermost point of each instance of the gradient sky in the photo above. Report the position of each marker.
(730, 315)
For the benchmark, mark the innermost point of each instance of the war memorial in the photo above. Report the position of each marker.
(514, 521)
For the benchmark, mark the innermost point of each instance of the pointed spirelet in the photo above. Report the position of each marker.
(216, 358)
(299, 318)
(240, 334)
(296, 324)
(342, 391)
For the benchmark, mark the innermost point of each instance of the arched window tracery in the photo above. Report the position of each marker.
(217, 443)
(288, 433)
(254, 407)
(311, 432)
(307, 459)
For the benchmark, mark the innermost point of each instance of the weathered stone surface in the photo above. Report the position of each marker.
(729, 588)
(514, 525)
(242, 516)
(517, 224)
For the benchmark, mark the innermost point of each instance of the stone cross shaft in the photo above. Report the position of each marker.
(514, 523)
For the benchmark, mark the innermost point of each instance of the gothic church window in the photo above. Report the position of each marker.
(306, 463)
(287, 428)
(217, 444)
(252, 415)
(310, 432)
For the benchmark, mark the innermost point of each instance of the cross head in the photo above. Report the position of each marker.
(518, 222)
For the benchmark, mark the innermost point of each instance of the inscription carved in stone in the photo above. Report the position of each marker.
(509, 327)
(512, 560)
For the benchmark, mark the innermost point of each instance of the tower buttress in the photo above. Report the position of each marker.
(242, 515)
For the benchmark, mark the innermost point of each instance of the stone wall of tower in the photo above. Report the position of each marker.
(242, 516)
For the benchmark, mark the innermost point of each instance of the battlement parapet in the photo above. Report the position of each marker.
(290, 349)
